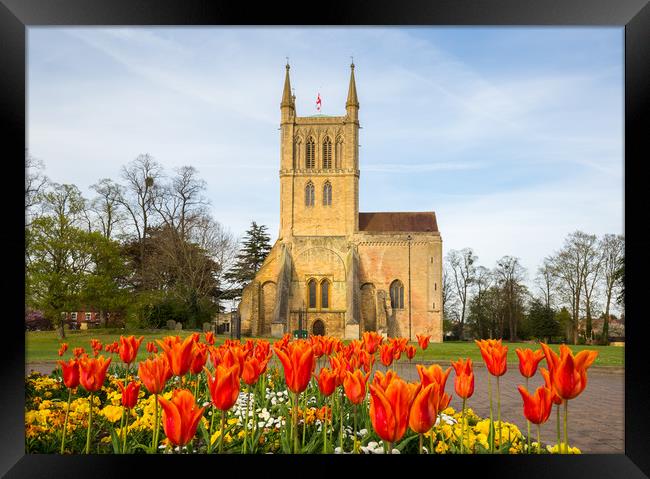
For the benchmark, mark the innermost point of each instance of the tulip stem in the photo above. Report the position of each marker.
(421, 439)
(248, 398)
(566, 419)
(223, 428)
(126, 428)
(491, 415)
(333, 400)
(65, 423)
(122, 423)
(528, 423)
(559, 438)
(90, 421)
(341, 399)
(295, 423)
(539, 441)
(431, 436)
(304, 417)
(389, 447)
(499, 413)
(154, 441)
(462, 428)
(214, 413)
(354, 448)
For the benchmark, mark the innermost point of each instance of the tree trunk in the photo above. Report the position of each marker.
(102, 318)
(61, 330)
(604, 338)
(588, 322)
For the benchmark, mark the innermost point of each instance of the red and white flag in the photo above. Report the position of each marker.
(318, 102)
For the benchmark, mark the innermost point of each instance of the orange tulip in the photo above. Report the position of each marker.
(464, 381)
(423, 340)
(366, 359)
(199, 357)
(327, 381)
(298, 362)
(410, 351)
(424, 410)
(252, 370)
(433, 374)
(382, 380)
(129, 394)
(495, 356)
(209, 338)
(129, 348)
(96, 346)
(223, 386)
(570, 376)
(63, 348)
(179, 354)
(70, 372)
(234, 354)
(92, 372)
(548, 382)
(78, 352)
(154, 373)
(371, 341)
(538, 406)
(389, 408)
(354, 386)
(180, 416)
(528, 361)
(151, 347)
(386, 354)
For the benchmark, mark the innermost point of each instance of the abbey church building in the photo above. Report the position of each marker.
(334, 270)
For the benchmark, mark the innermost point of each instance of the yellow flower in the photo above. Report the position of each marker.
(560, 450)
(112, 413)
(449, 411)
(441, 447)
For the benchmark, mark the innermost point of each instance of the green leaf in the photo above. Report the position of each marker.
(400, 447)
(115, 441)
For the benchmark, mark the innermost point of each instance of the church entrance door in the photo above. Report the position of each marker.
(318, 328)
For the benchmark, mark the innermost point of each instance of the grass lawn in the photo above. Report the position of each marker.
(43, 346)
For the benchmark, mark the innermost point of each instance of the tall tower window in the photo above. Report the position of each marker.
(297, 147)
(338, 153)
(327, 194)
(327, 153)
(311, 293)
(325, 294)
(309, 194)
(397, 295)
(310, 157)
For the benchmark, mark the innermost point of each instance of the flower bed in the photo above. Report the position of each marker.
(194, 397)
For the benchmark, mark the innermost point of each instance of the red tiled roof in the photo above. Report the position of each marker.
(416, 222)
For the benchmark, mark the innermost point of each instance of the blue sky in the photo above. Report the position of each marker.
(513, 136)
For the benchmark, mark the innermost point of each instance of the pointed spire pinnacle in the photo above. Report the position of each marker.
(286, 93)
(352, 91)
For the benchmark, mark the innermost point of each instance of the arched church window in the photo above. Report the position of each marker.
(309, 194)
(297, 147)
(311, 293)
(397, 295)
(327, 153)
(327, 194)
(338, 153)
(325, 294)
(310, 154)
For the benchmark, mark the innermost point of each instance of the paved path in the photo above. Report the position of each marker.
(596, 417)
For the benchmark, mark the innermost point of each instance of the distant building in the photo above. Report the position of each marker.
(333, 270)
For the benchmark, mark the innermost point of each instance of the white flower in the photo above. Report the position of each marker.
(373, 445)
(395, 451)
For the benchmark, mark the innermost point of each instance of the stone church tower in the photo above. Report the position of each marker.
(334, 270)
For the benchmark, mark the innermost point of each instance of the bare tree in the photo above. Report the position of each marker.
(613, 250)
(592, 263)
(483, 281)
(462, 273)
(510, 274)
(138, 195)
(546, 281)
(106, 206)
(35, 183)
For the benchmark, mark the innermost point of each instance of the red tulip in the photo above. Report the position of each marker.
(354, 386)
(386, 354)
(129, 348)
(199, 357)
(424, 410)
(179, 354)
(464, 381)
(410, 351)
(298, 362)
(63, 348)
(70, 372)
(154, 373)
(537, 407)
(327, 381)
(423, 340)
(78, 352)
(223, 386)
(252, 370)
(495, 355)
(528, 361)
(92, 372)
(180, 416)
(151, 347)
(129, 394)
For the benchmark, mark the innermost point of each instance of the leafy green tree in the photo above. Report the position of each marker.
(255, 248)
(565, 322)
(542, 321)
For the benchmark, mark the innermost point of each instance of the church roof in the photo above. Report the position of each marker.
(413, 221)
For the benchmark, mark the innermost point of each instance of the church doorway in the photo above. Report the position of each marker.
(318, 328)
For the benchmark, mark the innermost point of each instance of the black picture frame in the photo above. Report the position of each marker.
(17, 15)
